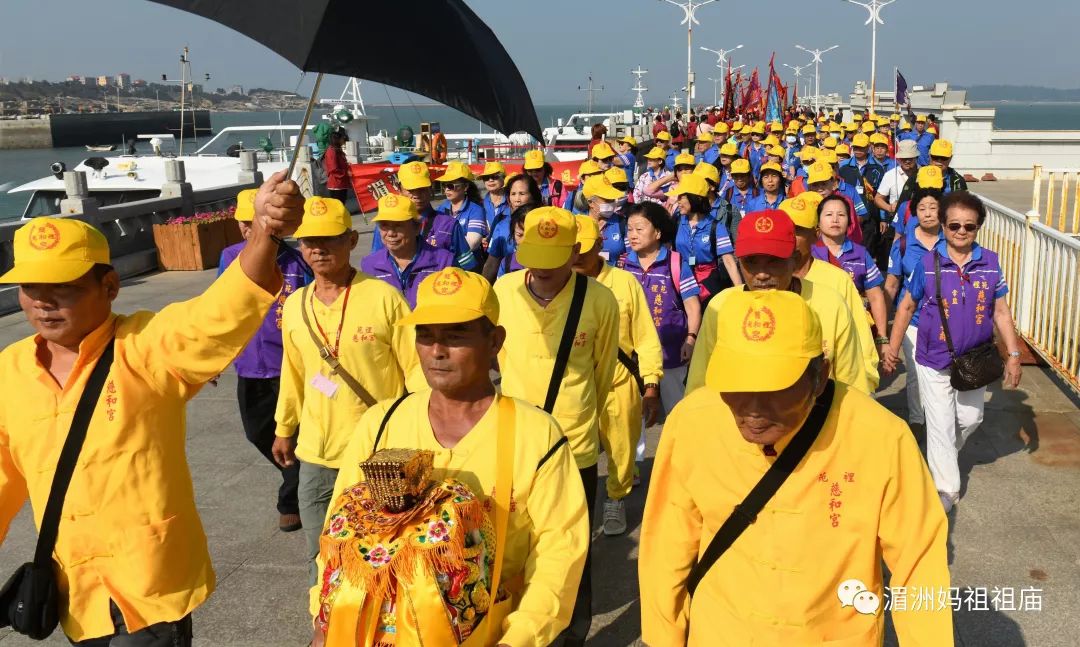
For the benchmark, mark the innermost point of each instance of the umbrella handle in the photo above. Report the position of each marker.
(304, 125)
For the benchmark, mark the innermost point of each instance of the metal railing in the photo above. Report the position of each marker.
(1060, 186)
(128, 226)
(1041, 265)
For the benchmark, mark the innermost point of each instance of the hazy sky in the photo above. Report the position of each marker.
(556, 43)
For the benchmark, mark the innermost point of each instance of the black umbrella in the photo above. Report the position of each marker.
(388, 42)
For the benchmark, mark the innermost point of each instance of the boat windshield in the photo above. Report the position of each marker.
(270, 141)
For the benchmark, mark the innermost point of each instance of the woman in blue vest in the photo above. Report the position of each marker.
(966, 281)
(700, 238)
(671, 290)
(743, 190)
(496, 206)
(540, 171)
(603, 201)
(521, 190)
(834, 247)
(773, 189)
(654, 170)
(463, 203)
(575, 200)
(626, 159)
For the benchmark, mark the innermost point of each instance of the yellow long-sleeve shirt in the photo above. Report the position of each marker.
(823, 273)
(527, 357)
(129, 531)
(637, 333)
(861, 494)
(373, 350)
(838, 332)
(548, 528)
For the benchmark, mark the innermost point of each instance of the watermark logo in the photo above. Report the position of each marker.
(853, 593)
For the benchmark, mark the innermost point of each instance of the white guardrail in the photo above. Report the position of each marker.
(1041, 265)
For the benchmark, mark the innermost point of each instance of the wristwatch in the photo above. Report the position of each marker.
(1014, 353)
(652, 385)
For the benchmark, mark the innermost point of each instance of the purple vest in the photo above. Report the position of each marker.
(428, 260)
(665, 304)
(853, 260)
(261, 358)
(969, 304)
(437, 230)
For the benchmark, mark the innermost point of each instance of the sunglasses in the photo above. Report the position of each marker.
(457, 186)
(968, 227)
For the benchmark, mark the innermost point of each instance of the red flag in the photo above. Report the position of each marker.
(729, 97)
(752, 98)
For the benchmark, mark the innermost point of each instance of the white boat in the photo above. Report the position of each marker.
(568, 140)
(102, 148)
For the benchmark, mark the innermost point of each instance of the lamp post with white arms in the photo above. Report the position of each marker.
(874, 7)
(816, 53)
(689, 7)
(722, 60)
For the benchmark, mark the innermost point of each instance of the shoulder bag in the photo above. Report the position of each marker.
(977, 367)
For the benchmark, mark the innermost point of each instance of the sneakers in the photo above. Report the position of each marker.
(948, 501)
(614, 517)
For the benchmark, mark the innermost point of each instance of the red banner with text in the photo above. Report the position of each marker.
(372, 181)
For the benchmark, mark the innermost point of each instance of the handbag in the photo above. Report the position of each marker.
(977, 367)
(30, 600)
(746, 512)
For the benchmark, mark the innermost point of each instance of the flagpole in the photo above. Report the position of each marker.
(896, 88)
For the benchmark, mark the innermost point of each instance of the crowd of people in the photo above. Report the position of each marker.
(735, 280)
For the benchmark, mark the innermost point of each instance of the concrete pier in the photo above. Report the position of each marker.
(25, 133)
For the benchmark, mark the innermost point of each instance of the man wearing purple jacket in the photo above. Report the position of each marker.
(405, 259)
(258, 367)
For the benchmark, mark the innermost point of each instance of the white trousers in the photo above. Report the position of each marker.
(951, 417)
(672, 389)
(914, 402)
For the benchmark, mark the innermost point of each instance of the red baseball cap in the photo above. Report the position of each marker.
(769, 232)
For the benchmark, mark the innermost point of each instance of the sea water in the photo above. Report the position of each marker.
(21, 166)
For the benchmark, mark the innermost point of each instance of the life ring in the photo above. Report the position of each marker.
(438, 148)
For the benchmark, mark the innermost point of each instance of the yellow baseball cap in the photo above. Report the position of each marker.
(324, 217)
(850, 126)
(828, 155)
(493, 168)
(878, 138)
(776, 150)
(819, 171)
(589, 167)
(843, 149)
(802, 209)
(704, 138)
(830, 142)
(730, 150)
(600, 186)
(629, 140)
(904, 125)
(930, 177)
(808, 154)
(894, 117)
(721, 128)
(740, 166)
(861, 140)
(550, 234)
(693, 184)
(616, 175)
(758, 128)
(920, 119)
(534, 160)
(455, 170)
(245, 205)
(602, 151)
(765, 341)
(737, 126)
(857, 117)
(809, 129)
(868, 127)
(656, 153)
(588, 232)
(771, 140)
(707, 171)
(663, 136)
(414, 175)
(56, 250)
(396, 208)
(748, 130)
(932, 129)
(452, 296)
(835, 128)
(941, 148)
(684, 159)
(772, 166)
(776, 127)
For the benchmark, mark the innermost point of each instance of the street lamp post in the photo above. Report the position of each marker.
(722, 60)
(874, 7)
(798, 72)
(715, 82)
(816, 53)
(689, 7)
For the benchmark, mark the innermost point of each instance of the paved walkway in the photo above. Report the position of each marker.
(1017, 526)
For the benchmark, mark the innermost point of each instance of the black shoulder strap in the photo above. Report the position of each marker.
(69, 456)
(746, 512)
(635, 370)
(551, 452)
(941, 303)
(566, 343)
(386, 419)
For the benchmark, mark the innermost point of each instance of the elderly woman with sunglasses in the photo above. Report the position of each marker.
(972, 291)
